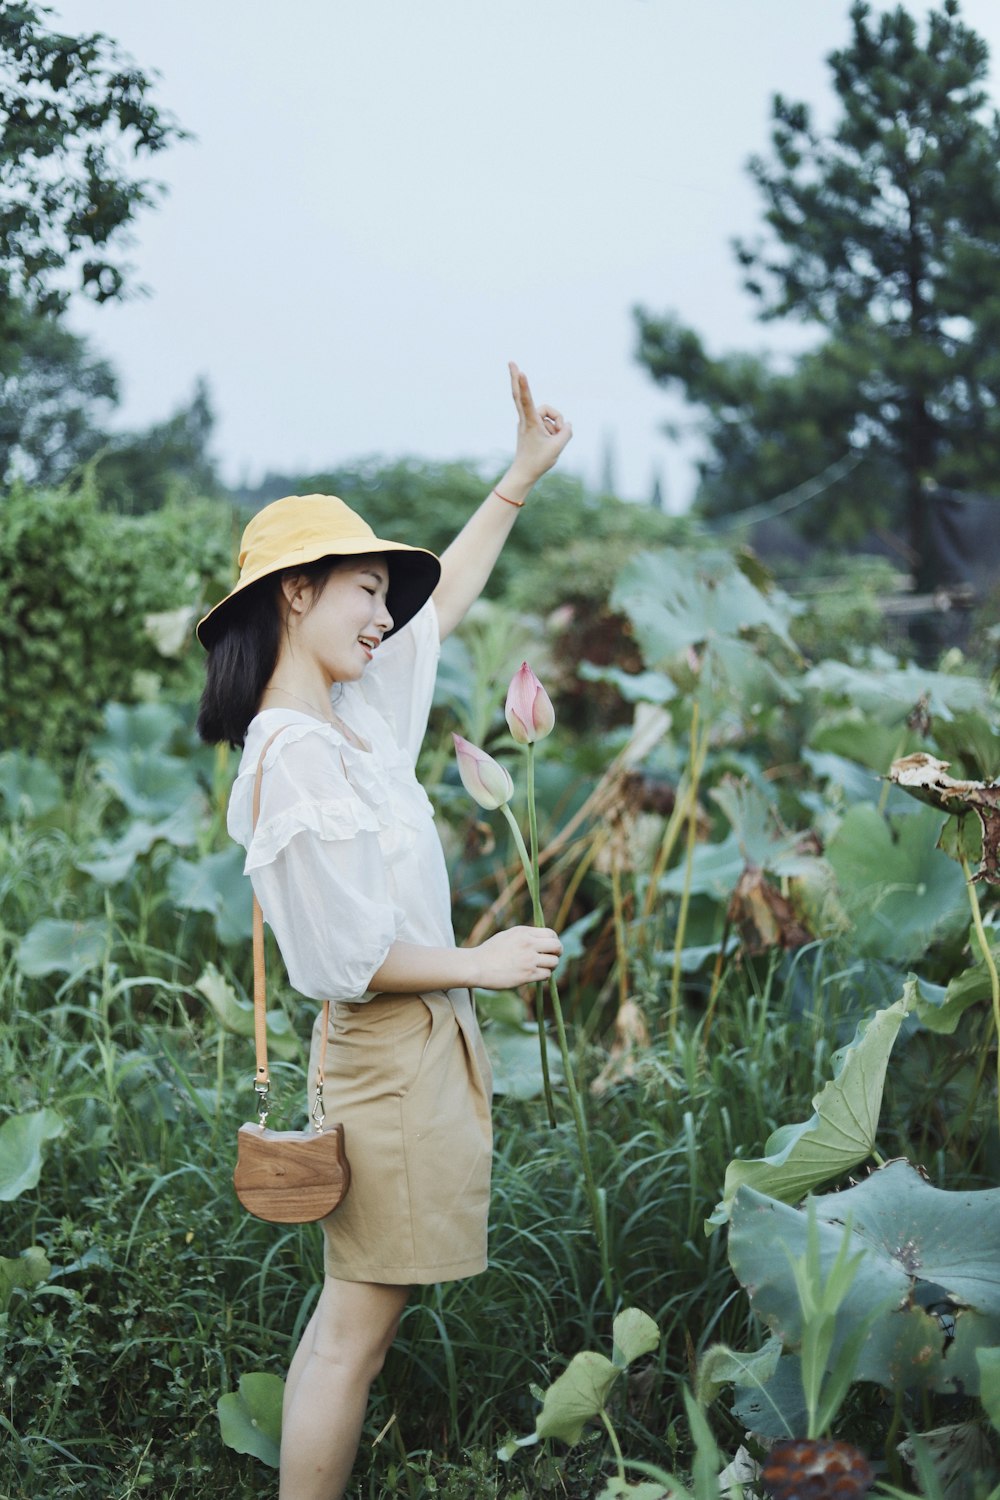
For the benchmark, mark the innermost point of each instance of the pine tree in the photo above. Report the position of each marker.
(885, 236)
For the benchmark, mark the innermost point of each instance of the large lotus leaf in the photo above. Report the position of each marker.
(858, 783)
(777, 1407)
(749, 681)
(27, 1269)
(763, 844)
(940, 1009)
(971, 739)
(133, 761)
(901, 892)
(927, 1285)
(21, 1140)
(676, 600)
(515, 1057)
(236, 1015)
(938, 1236)
(715, 869)
(890, 694)
(720, 1365)
(216, 884)
(250, 1419)
(634, 687)
(989, 1383)
(29, 787)
(53, 946)
(150, 783)
(138, 726)
(858, 737)
(114, 859)
(959, 1457)
(839, 1135)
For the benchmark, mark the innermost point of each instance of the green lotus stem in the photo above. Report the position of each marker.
(576, 1105)
(535, 884)
(984, 945)
(675, 978)
(621, 947)
(616, 1445)
(579, 1120)
(674, 825)
(531, 875)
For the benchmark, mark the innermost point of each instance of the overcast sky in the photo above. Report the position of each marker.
(387, 200)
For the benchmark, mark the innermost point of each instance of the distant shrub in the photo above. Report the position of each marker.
(77, 588)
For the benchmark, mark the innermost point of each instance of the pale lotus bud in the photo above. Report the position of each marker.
(528, 710)
(485, 781)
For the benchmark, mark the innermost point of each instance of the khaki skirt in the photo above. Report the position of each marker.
(408, 1078)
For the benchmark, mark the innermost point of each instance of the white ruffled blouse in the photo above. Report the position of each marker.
(346, 858)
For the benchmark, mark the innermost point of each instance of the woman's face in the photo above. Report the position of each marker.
(339, 625)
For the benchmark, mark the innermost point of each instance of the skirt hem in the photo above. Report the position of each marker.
(406, 1275)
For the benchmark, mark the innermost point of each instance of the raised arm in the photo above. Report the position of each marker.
(542, 434)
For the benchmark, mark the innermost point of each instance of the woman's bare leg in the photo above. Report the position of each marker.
(326, 1393)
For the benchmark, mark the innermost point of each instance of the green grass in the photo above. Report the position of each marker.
(164, 1292)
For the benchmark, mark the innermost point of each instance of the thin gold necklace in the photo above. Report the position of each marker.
(310, 706)
(330, 718)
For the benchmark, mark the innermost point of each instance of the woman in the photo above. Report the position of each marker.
(323, 658)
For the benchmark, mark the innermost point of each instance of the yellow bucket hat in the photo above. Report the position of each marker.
(303, 528)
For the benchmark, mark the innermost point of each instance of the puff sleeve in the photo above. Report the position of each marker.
(317, 867)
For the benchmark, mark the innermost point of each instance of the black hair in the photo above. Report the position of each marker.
(243, 653)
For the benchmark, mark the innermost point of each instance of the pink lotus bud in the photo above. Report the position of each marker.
(529, 711)
(485, 781)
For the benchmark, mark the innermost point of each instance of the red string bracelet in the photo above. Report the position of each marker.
(516, 503)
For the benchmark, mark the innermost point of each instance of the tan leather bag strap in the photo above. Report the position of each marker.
(262, 1080)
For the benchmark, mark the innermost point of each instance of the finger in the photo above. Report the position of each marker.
(516, 381)
(527, 400)
(551, 417)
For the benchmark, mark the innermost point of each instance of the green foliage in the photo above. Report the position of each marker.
(883, 233)
(68, 107)
(573, 549)
(900, 891)
(839, 1136)
(581, 1392)
(236, 1016)
(512, 1043)
(76, 586)
(21, 1140)
(30, 1269)
(250, 1419)
(123, 982)
(168, 462)
(924, 1290)
(54, 397)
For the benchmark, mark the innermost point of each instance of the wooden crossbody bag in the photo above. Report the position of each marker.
(286, 1176)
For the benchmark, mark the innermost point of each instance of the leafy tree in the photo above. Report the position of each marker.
(72, 110)
(68, 107)
(52, 402)
(142, 471)
(885, 235)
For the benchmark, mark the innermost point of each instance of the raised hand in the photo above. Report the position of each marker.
(542, 431)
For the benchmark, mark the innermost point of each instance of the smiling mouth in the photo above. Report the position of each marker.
(370, 642)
